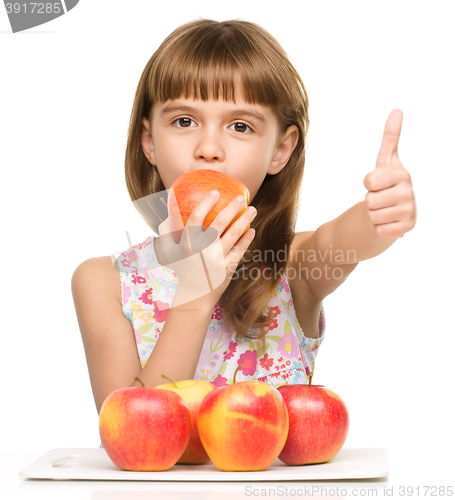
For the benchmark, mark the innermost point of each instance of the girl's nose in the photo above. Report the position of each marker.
(209, 148)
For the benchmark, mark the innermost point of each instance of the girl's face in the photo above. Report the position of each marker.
(237, 138)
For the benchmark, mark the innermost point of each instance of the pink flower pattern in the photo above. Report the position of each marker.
(230, 351)
(248, 361)
(126, 293)
(265, 361)
(287, 345)
(219, 381)
(160, 311)
(147, 296)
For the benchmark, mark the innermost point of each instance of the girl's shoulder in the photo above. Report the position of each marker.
(101, 273)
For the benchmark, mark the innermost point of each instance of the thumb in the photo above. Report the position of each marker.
(390, 138)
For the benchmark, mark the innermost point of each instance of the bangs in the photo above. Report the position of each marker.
(215, 63)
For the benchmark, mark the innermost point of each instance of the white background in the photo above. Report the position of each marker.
(66, 93)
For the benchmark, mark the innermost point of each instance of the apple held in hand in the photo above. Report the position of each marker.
(189, 189)
(192, 392)
(144, 429)
(243, 426)
(318, 424)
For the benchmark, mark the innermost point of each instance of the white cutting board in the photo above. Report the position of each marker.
(94, 463)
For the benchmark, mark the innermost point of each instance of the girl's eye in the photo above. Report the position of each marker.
(183, 122)
(240, 127)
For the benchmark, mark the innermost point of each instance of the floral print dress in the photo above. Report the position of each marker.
(283, 356)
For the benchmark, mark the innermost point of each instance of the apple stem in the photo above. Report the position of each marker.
(311, 376)
(235, 373)
(171, 381)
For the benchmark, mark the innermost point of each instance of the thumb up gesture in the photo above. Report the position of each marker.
(390, 199)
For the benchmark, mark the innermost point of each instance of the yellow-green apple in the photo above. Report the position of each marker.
(318, 424)
(243, 426)
(144, 429)
(192, 392)
(190, 188)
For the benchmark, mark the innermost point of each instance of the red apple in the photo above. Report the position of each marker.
(189, 189)
(243, 426)
(192, 392)
(318, 424)
(144, 429)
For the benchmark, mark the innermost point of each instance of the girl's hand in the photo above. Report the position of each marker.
(204, 262)
(390, 199)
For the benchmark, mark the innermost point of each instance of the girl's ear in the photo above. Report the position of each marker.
(285, 147)
(147, 143)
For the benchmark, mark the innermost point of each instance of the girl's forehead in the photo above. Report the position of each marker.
(210, 86)
(237, 101)
(237, 95)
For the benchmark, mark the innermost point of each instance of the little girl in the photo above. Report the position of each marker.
(224, 96)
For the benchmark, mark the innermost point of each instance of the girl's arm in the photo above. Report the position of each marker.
(353, 235)
(179, 345)
(109, 341)
(368, 228)
(108, 337)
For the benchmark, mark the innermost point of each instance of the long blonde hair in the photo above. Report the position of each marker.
(201, 59)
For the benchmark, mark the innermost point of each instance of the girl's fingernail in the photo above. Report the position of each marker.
(240, 198)
(215, 193)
